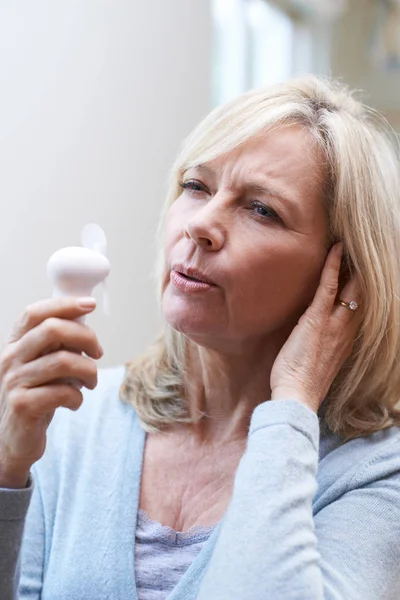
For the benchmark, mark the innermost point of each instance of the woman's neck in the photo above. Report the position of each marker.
(224, 389)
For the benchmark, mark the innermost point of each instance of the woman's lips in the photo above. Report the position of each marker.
(186, 284)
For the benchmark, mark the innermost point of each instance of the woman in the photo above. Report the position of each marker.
(271, 463)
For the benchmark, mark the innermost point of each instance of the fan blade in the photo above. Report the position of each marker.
(94, 238)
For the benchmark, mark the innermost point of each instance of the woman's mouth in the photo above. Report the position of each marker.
(189, 283)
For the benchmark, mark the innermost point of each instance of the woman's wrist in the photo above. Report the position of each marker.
(14, 482)
(288, 393)
(12, 478)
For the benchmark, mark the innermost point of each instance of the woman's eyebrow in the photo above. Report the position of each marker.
(268, 190)
(255, 187)
(203, 169)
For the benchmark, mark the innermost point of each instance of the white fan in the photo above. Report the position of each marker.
(77, 270)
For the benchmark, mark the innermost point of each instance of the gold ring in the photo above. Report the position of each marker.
(349, 305)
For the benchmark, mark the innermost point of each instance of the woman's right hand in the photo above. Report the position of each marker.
(43, 351)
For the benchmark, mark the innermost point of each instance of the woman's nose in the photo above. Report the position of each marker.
(206, 230)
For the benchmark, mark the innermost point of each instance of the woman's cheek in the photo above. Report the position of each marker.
(173, 234)
(175, 226)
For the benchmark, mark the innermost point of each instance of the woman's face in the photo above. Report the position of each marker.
(252, 226)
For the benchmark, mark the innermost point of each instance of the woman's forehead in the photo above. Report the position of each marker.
(288, 154)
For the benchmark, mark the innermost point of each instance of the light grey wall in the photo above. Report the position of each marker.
(96, 96)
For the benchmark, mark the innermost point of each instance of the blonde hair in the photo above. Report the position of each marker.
(362, 199)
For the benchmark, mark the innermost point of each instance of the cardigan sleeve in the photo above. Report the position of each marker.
(271, 545)
(22, 541)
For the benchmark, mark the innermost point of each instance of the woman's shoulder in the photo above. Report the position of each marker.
(358, 463)
(363, 449)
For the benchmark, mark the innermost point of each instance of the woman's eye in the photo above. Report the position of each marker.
(262, 210)
(193, 186)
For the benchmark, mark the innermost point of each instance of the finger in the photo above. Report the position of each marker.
(40, 401)
(54, 334)
(62, 308)
(351, 292)
(326, 293)
(52, 367)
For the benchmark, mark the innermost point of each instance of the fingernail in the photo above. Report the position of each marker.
(87, 302)
(100, 351)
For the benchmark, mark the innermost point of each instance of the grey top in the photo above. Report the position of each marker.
(162, 555)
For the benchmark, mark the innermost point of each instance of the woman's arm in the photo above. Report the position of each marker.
(270, 547)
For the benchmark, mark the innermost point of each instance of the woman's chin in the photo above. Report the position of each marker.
(194, 324)
(189, 325)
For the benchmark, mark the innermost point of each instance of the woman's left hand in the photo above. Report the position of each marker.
(321, 341)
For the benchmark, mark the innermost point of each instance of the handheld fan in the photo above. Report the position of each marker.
(77, 270)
